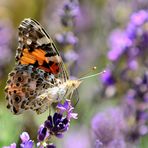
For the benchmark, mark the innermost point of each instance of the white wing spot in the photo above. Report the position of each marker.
(29, 41)
(43, 40)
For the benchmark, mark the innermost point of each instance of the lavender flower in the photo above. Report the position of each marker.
(105, 130)
(107, 78)
(118, 43)
(66, 107)
(69, 12)
(57, 124)
(5, 40)
(79, 138)
(129, 45)
(133, 41)
(138, 34)
(128, 55)
(136, 105)
(26, 142)
(98, 144)
(42, 133)
(67, 39)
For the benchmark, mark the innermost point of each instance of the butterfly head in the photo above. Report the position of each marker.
(73, 84)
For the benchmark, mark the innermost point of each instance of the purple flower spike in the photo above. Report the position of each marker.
(118, 42)
(71, 56)
(24, 137)
(26, 142)
(59, 135)
(56, 125)
(138, 18)
(66, 107)
(104, 129)
(5, 40)
(107, 78)
(63, 107)
(67, 38)
(98, 144)
(42, 133)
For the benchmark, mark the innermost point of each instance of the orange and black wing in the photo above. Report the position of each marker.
(37, 48)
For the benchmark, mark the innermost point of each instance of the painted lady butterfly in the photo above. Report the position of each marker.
(39, 77)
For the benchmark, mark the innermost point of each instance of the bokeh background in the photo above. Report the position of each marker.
(108, 34)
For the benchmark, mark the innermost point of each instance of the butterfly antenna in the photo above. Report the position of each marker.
(96, 74)
(89, 71)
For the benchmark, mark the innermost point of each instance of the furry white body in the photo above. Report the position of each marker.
(57, 93)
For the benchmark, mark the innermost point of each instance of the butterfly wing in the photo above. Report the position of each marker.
(24, 85)
(37, 48)
(38, 67)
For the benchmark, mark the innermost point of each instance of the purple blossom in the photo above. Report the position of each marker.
(53, 126)
(139, 17)
(66, 107)
(5, 40)
(135, 107)
(137, 20)
(24, 137)
(137, 30)
(26, 142)
(75, 139)
(56, 125)
(98, 144)
(42, 133)
(107, 78)
(118, 43)
(71, 56)
(132, 42)
(128, 53)
(133, 64)
(69, 12)
(66, 38)
(131, 31)
(128, 49)
(104, 126)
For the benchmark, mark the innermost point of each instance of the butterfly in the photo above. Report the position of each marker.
(39, 77)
